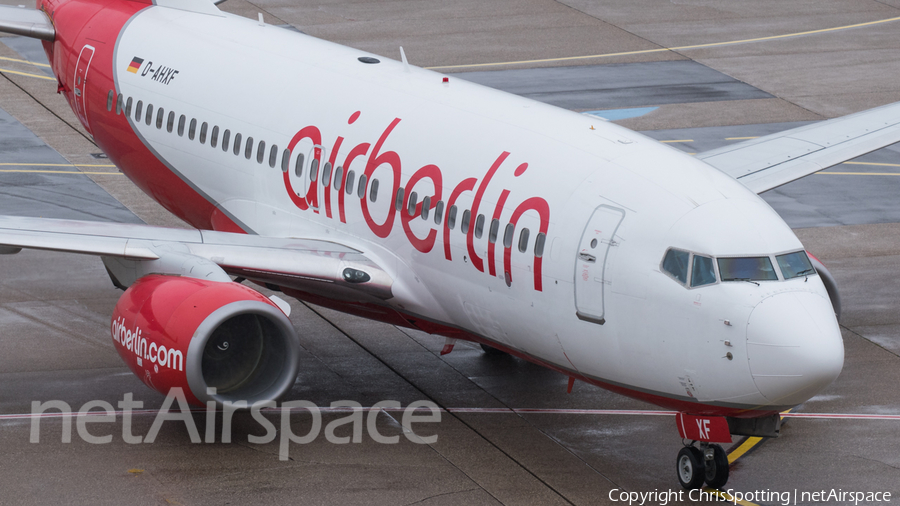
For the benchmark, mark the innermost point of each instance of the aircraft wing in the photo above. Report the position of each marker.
(136, 250)
(771, 161)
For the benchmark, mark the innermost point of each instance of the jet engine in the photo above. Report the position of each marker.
(830, 284)
(216, 340)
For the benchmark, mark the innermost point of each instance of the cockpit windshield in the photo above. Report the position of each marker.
(794, 265)
(693, 270)
(702, 271)
(747, 269)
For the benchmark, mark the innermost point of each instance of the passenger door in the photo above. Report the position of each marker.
(591, 274)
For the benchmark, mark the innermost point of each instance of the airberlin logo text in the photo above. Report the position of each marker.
(421, 194)
(133, 341)
(160, 73)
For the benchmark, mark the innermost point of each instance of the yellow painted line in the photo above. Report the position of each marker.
(744, 448)
(873, 163)
(739, 138)
(25, 62)
(16, 164)
(861, 173)
(61, 172)
(678, 140)
(663, 49)
(7, 71)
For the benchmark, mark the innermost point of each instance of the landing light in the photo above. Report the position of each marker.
(355, 276)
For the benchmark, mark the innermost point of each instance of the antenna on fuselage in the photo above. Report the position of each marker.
(403, 59)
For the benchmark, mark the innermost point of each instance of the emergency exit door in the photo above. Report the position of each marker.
(591, 274)
(80, 83)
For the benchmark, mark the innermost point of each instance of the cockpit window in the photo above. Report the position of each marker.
(702, 271)
(794, 265)
(676, 264)
(746, 269)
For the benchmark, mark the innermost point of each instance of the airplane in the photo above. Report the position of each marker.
(551, 235)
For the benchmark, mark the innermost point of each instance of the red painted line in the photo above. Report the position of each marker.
(840, 416)
(646, 412)
(329, 409)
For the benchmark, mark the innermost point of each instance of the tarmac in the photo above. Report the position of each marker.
(695, 74)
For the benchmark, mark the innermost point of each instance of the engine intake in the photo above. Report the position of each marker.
(830, 284)
(203, 335)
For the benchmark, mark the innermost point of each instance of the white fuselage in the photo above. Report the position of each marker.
(640, 331)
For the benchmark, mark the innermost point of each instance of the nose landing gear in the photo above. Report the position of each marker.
(708, 463)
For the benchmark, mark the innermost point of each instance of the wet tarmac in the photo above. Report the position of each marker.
(508, 433)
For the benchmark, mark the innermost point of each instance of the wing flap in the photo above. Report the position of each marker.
(771, 161)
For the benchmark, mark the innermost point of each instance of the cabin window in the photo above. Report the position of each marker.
(508, 235)
(439, 212)
(192, 129)
(181, 122)
(676, 264)
(298, 165)
(226, 137)
(128, 106)
(794, 265)
(539, 241)
(119, 103)
(314, 170)
(237, 145)
(170, 122)
(413, 200)
(214, 138)
(326, 175)
(398, 202)
(349, 184)
(467, 217)
(747, 269)
(248, 148)
(361, 189)
(261, 152)
(426, 206)
(273, 156)
(160, 117)
(494, 231)
(451, 218)
(148, 118)
(138, 109)
(203, 129)
(338, 177)
(285, 160)
(702, 271)
(479, 226)
(523, 240)
(373, 190)
(109, 100)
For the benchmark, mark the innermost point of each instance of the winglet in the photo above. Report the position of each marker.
(27, 22)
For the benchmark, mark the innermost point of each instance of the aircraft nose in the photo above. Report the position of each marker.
(794, 346)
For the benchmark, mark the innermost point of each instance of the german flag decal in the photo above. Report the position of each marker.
(135, 65)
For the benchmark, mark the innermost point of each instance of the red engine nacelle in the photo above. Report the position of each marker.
(199, 335)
